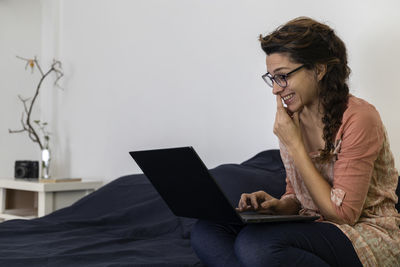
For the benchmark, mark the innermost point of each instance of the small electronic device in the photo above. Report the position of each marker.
(26, 169)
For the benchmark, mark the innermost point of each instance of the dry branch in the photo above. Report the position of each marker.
(28, 103)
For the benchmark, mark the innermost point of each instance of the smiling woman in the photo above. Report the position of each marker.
(319, 49)
(338, 165)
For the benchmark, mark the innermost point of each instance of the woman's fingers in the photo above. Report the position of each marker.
(253, 199)
(281, 116)
(246, 202)
(243, 203)
(287, 126)
(259, 201)
(281, 111)
(279, 103)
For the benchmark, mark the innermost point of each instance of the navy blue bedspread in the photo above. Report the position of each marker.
(126, 223)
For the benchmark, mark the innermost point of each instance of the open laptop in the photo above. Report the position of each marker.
(186, 185)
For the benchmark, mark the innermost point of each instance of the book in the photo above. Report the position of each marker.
(60, 180)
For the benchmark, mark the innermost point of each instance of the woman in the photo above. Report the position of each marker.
(337, 160)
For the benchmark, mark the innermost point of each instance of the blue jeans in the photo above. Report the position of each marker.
(272, 244)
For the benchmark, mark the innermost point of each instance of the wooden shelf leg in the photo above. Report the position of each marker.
(2, 200)
(45, 203)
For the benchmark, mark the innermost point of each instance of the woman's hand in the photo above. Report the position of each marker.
(259, 201)
(287, 128)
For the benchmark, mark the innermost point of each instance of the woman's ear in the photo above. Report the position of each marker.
(320, 70)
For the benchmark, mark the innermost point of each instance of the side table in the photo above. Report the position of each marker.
(44, 198)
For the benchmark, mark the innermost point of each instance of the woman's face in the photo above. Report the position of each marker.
(302, 86)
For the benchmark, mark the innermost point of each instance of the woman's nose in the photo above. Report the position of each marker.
(276, 89)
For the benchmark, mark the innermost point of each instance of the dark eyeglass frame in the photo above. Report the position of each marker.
(279, 79)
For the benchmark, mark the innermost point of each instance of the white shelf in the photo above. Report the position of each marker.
(49, 196)
(37, 186)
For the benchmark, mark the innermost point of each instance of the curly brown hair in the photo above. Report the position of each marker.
(309, 42)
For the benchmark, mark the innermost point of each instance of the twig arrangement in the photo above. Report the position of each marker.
(27, 126)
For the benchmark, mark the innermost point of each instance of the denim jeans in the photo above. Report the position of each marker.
(272, 244)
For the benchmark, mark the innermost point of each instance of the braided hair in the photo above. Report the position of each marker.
(309, 42)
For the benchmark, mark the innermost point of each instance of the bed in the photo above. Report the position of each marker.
(126, 223)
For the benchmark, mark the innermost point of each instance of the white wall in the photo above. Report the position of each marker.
(152, 73)
(20, 34)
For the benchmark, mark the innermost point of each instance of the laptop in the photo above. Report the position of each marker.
(184, 182)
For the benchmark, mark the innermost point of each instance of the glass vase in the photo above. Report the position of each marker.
(46, 157)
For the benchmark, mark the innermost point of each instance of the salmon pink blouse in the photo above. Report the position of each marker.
(363, 180)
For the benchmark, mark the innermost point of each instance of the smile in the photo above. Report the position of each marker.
(285, 98)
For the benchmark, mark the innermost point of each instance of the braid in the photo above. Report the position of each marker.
(334, 93)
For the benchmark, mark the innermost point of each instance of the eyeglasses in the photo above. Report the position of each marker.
(279, 79)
